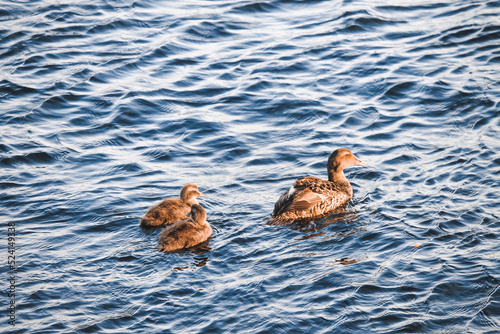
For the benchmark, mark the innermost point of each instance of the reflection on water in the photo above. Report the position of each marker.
(149, 230)
(343, 261)
(196, 253)
(344, 220)
(340, 216)
(346, 261)
(198, 262)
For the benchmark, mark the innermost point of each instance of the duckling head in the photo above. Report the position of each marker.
(197, 214)
(189, 193)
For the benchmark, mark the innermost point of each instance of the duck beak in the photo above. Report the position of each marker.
(360, 163)
(201, 194)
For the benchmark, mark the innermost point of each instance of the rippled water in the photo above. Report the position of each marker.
(109, 107)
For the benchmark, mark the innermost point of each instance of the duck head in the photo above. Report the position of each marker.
(339, 160)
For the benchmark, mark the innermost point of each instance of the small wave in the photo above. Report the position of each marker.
(255, 7)
(29, 158)
(208, 30)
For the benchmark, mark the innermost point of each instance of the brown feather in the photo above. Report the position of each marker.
(171, 210)
(186, 233)
(311, 197)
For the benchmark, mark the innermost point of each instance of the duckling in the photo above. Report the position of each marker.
(186, 233)
(171, 210)
(311, 197)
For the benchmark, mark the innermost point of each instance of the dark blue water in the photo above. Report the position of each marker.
(106, 108)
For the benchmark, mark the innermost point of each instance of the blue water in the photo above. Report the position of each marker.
(106, 108)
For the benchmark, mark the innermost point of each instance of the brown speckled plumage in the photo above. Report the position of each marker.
(186, 233)
(311, 197)
(171, 210)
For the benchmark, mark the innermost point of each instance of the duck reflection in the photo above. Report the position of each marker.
(343, 262)
(347, 260)
(343, 216)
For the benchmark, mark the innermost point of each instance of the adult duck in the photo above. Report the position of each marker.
(171, 210)
(311, 197)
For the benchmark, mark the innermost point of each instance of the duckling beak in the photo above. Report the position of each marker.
(201, 194)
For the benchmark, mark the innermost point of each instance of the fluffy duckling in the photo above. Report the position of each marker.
(311, 197)
(171, 210)
(186, 233)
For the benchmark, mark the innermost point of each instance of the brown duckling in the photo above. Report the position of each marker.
(171, 210)
(311, 197)
(186, 233)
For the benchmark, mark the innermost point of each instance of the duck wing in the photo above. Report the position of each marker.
(303, 195)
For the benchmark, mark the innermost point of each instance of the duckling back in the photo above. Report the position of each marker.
(167, 212)
(186, 233)
(171, 210)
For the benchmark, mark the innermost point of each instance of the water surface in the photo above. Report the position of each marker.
(106, 108)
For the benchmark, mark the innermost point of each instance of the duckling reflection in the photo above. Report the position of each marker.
(198, 253)
(198, 262)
